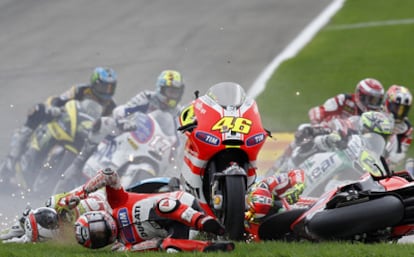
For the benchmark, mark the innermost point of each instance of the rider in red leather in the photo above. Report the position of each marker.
(262, 197)
(368, 96)
(397, 104)
(144, 222)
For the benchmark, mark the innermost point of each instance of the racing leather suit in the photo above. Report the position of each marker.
(399, 143)
(155, 221)
(339, 106)
(286, 187)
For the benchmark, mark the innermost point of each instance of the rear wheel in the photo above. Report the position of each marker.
(345, 222)
(234, 206)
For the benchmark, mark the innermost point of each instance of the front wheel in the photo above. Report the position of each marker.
(234, 206)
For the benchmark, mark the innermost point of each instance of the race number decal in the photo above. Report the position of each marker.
(187, 116)
(235, 124)
(368, 164)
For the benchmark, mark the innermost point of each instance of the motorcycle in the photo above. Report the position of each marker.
(55, 144)
(155, 185)
(146, 152)
(327, 170)
(379, 207)
(224, 136)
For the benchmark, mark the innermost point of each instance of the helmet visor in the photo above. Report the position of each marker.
(372, 102)
(399, 111)
(172, 92)
(99, 233)
(46, 219)
(104, 89)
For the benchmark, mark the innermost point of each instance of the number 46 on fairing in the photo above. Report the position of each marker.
(235, 124)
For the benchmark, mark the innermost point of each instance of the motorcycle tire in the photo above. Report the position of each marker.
(277, 226)
(346, 222)
(234, 205)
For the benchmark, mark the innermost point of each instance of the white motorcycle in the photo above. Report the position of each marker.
(148, 151)
(325, 171)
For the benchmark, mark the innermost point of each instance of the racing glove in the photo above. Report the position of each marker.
(128, 123)
(292, 194)
(53, 111)
(63, 202)
(334, 140)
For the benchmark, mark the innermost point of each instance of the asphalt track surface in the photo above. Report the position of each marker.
(49, 45)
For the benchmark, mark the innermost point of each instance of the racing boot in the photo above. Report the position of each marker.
(70, 178)
(19, 139)
(171, 245)
(15, 231)
(173, 209)
(17, 145)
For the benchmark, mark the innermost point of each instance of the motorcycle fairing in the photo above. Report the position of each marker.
(230, 126)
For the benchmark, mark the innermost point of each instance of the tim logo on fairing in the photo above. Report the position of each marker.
(255, 139)
(126, 226)
(207, 138)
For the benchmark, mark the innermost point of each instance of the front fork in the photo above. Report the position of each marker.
(216, 194)
(218, 182)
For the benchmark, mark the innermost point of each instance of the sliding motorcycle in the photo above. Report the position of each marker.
(379, 207)
(224, 136)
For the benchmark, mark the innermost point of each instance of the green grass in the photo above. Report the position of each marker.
(337, 59)
(267, 249)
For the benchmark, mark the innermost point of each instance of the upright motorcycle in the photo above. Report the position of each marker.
(224, 136)
(377, 208)
(146, 152)
(54, 145)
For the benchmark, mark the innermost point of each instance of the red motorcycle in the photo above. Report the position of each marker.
(224, 136)
(377, 208)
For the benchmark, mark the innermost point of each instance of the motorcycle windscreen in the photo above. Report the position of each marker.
(227, 94)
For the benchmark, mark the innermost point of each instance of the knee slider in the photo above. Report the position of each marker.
(167, 205)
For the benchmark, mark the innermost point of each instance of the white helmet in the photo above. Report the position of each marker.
(95, 229)
(41, 224)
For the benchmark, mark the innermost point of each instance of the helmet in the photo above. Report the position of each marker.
(41, 224)
(259, 200)
(369, 94)
(170, 88)
(95, 229)
(103, 82)
(376, 122)
(398, 101)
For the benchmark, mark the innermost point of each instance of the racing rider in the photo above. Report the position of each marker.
(144, 222)
(268, 196)
(170, 89)
(38, 225)
(398, 100)
(101, 89)
(368, 96)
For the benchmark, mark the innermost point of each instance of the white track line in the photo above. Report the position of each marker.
(293, 48)
(371, 24)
